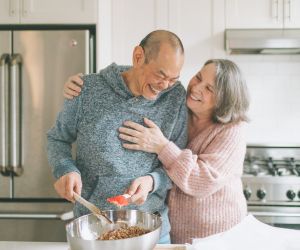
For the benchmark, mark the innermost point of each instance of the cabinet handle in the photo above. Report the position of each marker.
(12, 8)
(275, 7)
(25, 8)
(287, 9)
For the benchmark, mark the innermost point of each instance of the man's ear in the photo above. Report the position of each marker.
(138, 57)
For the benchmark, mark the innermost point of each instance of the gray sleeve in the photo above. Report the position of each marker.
(61, 136)
(179, 137)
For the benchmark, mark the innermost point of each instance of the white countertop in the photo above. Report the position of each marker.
(22, 245)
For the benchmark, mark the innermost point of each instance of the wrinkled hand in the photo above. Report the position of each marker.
(139, 189)
(67, 184)
(73, 86)
(149, 139)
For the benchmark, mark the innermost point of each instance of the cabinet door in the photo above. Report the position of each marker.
(130, 26)
(196, 30)
(59, 11)
(9, 12)
(291, 13)
(254, 13)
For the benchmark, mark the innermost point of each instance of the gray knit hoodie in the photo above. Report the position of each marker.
(93, 119)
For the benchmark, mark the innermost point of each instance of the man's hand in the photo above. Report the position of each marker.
(140, 188)
(73, 86)
(67, 184)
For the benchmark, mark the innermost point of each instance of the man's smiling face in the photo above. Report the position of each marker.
(160, 73)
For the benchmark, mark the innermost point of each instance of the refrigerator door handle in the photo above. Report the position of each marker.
(4, 111)
(15, 165)
(63, 217)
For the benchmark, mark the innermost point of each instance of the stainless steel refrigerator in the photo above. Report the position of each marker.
(33, 68)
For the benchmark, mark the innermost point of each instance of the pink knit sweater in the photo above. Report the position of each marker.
(208, 195)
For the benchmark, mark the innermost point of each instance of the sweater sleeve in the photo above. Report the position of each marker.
(179, 136)
(61, 136)
(203, 174)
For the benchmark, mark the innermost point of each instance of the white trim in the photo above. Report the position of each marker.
(104, 34)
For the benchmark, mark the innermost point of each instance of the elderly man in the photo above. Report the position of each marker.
(103, 168)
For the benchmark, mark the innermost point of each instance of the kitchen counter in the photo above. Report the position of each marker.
(21, 245)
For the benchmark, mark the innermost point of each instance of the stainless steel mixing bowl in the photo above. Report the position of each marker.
(82, 233)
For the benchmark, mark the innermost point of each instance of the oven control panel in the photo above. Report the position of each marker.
(270, 188)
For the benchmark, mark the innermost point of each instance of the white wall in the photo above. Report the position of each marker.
(273, 81)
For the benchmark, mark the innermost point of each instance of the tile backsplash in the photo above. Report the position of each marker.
(274, 86)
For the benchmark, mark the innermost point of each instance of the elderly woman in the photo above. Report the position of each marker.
(207, 197)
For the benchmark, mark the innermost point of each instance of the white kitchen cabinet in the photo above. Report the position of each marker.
(262, 13)
(292, 14)
(193, 22)
(128, 27)
(123, 23)
(9, 11)
(50, 12)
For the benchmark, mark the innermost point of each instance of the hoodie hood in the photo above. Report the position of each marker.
(113, 78)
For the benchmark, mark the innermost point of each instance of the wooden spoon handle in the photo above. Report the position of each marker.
(90, 206)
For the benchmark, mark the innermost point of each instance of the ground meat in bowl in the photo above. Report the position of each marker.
(123, 233)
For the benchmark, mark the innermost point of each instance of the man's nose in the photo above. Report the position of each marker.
(165, 83)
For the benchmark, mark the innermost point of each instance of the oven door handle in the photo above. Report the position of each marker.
(275, 214)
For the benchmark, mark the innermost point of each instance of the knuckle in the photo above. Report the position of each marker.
(67, 193)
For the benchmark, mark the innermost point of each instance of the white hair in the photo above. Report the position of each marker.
(232, 97)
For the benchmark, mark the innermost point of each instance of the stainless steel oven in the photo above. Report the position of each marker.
(278, 215)
(271, 183)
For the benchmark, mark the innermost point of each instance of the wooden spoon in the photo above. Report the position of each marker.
(90, 206)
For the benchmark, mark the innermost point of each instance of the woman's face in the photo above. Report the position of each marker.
(201, 91)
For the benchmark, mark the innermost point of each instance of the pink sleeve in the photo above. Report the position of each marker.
(203, 174)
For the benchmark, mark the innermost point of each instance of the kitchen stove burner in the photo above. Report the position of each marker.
(259, 167)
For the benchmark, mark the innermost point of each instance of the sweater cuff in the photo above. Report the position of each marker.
(169, 154)
(66, 167)
(156, 181)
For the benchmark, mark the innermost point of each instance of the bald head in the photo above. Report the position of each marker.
(153, 41)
